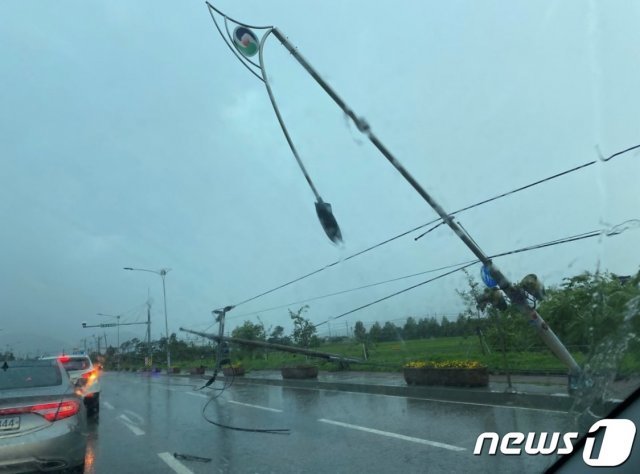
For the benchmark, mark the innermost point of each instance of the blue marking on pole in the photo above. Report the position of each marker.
(487, 278)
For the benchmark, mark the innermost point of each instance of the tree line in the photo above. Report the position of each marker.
(414, 328)
(584, 311)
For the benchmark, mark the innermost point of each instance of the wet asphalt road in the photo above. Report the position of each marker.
(145, 419)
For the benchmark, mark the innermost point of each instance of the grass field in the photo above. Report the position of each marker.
(391, 356)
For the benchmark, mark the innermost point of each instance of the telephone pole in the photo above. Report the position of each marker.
(149, 357)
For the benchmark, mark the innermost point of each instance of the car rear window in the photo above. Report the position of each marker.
(29, 376)
(81, 363)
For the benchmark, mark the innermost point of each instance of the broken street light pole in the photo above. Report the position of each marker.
(277, 347)
(245, 44)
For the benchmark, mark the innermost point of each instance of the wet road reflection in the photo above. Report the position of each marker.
(92, 445)
(330, 431)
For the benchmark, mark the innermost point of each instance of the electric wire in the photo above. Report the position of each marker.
(594, 233)
(616, 230)
(439, 222)
(349, 290)
(220, 391)
(281, 431)
(379, 300)
(224, 387)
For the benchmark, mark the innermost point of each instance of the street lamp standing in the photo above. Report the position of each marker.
(163, 273)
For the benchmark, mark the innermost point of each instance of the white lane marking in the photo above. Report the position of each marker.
(564, 412)
(135, 416)
(255, 406)
(129, 424)
(435, 444)
(127, 419)
(108, 405)
(174, 464)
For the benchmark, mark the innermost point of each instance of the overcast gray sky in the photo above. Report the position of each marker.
(131, 136)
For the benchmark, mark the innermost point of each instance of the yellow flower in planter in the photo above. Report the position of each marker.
(454, 373)
(446, 364)
(417, 364)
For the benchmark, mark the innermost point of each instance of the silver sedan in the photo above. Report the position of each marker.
(42, 418)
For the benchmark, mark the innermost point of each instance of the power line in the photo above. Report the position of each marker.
(621, 152)
(535, 183)
(613, 231)
(332, 264)
(379, 300)
(439, 222)
(616, 230)
(313, 298)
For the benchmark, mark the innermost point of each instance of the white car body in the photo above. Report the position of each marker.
(85, 376)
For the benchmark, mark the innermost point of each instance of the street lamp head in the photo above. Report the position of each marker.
(328, 221)
(162, 272)
(84, 324)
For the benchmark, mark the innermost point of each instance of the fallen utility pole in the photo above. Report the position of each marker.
(515, 294)
(278, 347)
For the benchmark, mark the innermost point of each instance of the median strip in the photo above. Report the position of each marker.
(435, 444)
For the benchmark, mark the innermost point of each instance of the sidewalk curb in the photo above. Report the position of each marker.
(442, 394)
(472, 396)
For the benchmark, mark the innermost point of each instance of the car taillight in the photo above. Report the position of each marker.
(57, 411)
(49, 411)
(90, 376)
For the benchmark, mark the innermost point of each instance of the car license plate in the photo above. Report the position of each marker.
(10, 423)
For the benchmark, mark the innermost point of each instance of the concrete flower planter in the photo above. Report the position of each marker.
(197, 370)
(448, 377)
(301, 372)
(232, 371)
